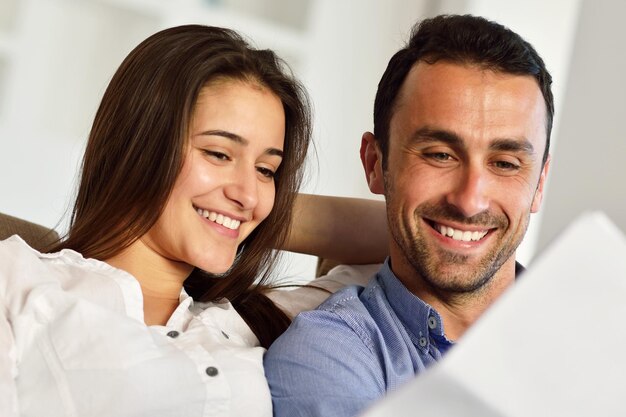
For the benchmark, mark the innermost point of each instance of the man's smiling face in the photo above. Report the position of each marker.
(463, 173)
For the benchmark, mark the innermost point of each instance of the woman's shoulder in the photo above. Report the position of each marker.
(14, 244)
(17, 256)
(24, 270)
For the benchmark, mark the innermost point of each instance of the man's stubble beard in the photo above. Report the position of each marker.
(466, 280)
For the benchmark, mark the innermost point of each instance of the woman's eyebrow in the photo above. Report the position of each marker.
(239, 139)
(228, 135)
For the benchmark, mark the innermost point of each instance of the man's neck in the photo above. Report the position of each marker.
(458, 310)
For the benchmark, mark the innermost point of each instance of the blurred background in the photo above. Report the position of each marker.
(57, 56)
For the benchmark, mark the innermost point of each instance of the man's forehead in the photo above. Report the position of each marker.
(438, 75)
(467, 97)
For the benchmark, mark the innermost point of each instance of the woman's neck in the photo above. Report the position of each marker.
(160, 278)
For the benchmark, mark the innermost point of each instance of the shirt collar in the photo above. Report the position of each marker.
(180, 316)
(421, 321)
(418, 318)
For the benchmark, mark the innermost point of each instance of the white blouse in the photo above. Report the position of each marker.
(73, 343)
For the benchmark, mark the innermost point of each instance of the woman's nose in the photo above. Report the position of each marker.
(243, 188)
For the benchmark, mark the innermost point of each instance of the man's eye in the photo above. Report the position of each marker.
(505, 165)
(439, 156)
(266, 172)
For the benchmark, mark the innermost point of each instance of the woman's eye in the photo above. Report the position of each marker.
(217, 155)
(266, 172)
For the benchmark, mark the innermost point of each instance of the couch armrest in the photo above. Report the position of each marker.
(37, 236)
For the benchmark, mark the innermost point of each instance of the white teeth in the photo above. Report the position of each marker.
(462, 235)
(219, 219)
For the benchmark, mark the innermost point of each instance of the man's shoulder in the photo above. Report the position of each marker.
(351, 310)
(341, 330)
(352, 300)
(346, 297)
(330, 353)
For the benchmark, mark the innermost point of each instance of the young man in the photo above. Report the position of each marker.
(462, 122)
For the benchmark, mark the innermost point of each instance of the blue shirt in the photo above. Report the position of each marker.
(359, 344)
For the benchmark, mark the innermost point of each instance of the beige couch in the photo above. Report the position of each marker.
(41, 238)
(37, 236)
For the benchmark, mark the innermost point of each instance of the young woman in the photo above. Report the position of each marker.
(149, 307)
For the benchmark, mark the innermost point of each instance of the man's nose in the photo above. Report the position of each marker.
(469, 193)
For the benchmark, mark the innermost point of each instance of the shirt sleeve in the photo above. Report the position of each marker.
(321, 367)
(18, 266)
(308, 297)
(8, 371)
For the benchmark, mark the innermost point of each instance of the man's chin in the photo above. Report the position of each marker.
(458, 274)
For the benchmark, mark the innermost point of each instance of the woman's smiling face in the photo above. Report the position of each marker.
(226, 186)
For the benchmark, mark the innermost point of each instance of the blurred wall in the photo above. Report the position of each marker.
(588, 171)
(56, 57)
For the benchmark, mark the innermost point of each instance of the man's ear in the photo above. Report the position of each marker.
(371, 157)
(534, 208)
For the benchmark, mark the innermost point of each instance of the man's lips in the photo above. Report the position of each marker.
(469, 234)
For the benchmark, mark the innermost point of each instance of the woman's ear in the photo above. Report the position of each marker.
(371, 157)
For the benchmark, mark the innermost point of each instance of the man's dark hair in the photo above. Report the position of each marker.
(465, 40)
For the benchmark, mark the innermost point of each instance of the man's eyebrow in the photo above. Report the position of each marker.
(513, 145)
(239, 139)
(427, 134)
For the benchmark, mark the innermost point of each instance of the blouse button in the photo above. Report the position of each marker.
(423, 342)
(225, 335)
(173, 334)
(211, 371)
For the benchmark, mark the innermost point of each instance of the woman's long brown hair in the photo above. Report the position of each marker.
(136, 148)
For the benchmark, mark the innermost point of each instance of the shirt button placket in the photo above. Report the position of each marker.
(432, 322)
(211, 371)
(423, 342)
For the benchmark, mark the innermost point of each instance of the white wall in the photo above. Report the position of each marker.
(56, 57)
(62, 54)
(588, 171)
